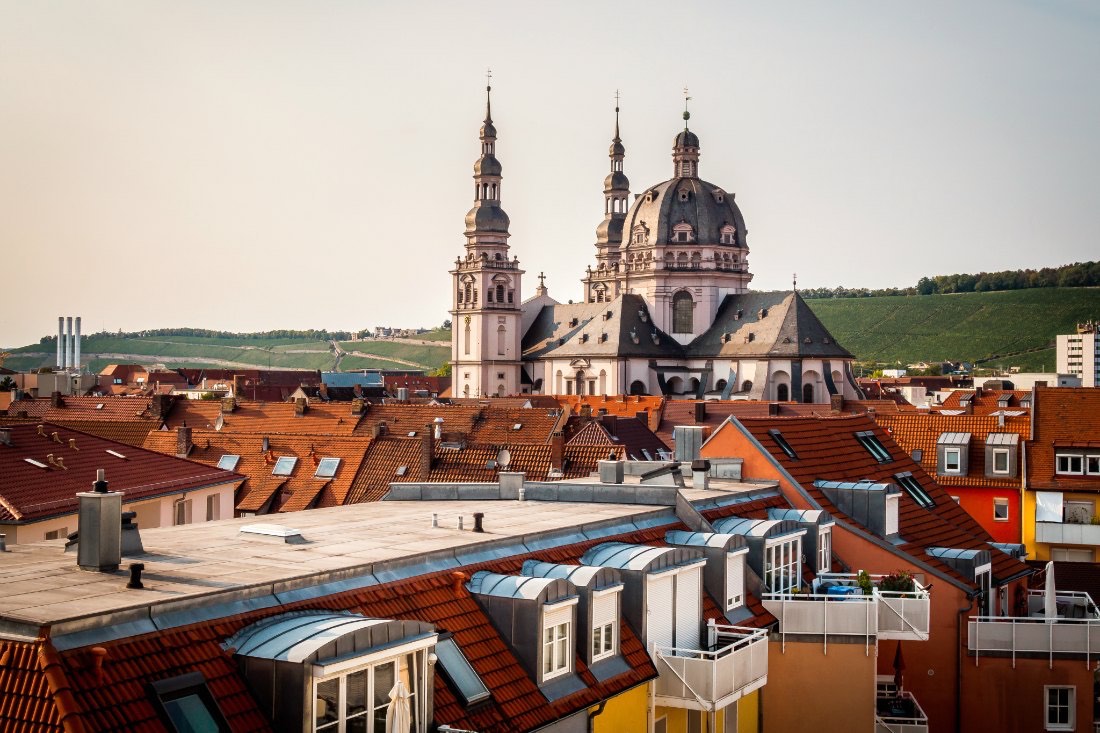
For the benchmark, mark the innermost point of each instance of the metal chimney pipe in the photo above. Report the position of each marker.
(61, 342)
(69, 342)
(76, 347)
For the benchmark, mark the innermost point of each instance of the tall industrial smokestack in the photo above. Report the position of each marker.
(76, 347)
(69, 342)
(61, 342)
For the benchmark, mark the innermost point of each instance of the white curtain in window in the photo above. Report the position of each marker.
(1048, 506)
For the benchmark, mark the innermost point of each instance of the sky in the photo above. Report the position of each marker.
(254, 165)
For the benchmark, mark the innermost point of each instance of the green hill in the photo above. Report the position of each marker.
(994, 329)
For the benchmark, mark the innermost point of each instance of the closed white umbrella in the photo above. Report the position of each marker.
(399, 712)
(1050, 595)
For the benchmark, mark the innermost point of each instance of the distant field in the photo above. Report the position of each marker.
(1008, 328)
(431, 357)
(436, 334)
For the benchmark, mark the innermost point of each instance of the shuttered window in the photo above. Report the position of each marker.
(689, 607)
(556, 636)
(605, 616)
(735, 580)
(659, 630)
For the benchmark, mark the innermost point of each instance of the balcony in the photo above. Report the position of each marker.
(899, 713)
(841, 609)
(735, 664)
(1075, 630)
(1067, 533)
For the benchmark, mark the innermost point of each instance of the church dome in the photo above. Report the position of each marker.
(616, 180)
(487, 219)
(487, 165)
(488, 129)
(706, 207)
(686, 139)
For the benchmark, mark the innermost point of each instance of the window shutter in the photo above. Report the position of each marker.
(689, 611)
(604, 610)
(659, 611)
(735, 580)
(557, 616)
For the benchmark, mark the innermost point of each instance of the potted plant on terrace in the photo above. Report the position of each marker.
(900, 581)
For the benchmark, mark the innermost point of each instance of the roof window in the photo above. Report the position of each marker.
(228, 462)
(187, 704)
(871, 442)
(402, 470)
(459, 672)
(517, 426)
(33, 462)
(912, 487)
(284, 466)
(783, 444)
(327, 468)
(116, 454)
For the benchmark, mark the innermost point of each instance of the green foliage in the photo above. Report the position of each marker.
(443, 371)
(900, 581)
(7, 384)
(1003, 329)
(863, 580)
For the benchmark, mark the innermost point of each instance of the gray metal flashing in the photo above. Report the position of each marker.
(192, 610)
(98, 635)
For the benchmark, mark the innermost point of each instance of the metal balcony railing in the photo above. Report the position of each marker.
(1075, 630)
(900, 714)
(736, 663)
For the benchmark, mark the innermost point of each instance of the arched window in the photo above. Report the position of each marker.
(682, 315)
(746, 385)
(466, 339)
(637, 387)
(782, 393)
(580, 382)
(500, 390)
(675, 385)
(693, 386)
(720, 384)
(558, 383)
(603, 382)
(467, 289)
(502, 340)
(466, 391)
(807, 393)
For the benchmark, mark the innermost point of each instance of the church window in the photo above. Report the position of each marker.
(807, 393)
(682, 315)
(502, 339)
(782, 393)
(728, 234)
(500, 293)
(746, 385)
(489, 295)
(511, 295)
(467, 291)
(498, 257)
(466, 339)
(558, 382)
(682, 259)
(580, 383)
(637, 387)
(720, 384)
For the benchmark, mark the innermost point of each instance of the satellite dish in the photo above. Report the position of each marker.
(504, 458)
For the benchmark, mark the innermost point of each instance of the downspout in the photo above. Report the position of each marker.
(592, 715)
(958, 658)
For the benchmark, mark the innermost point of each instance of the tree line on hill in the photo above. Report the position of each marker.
(1077, 275)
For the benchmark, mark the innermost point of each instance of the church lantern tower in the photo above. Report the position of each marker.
(601, 284)
(486, 318)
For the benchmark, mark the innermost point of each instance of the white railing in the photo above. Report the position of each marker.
(710, 679)
(1067, 533)
(1034, 635)
(1069, 604)
(901, 615)
(823, 615)
(906, 717)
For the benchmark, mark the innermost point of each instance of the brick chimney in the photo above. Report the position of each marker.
(773, 409)
(836, 403)
(183, 441)
(160, 406)
(700, 411)
(610, 423)
(301, 406)
(55, 400)
(228, 405)
(357, 406)
(557, 451)
(237, 385)
(586, 410)
(427, 451)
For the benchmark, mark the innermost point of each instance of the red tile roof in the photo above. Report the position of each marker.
(517, 425)
(1064, 416)
(266, 417)
(984, 401)
(628, 432)
(28, 492)
(84, 408)
(827, 449)
(921, 431)
(403, 418)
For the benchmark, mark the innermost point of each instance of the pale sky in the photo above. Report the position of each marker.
(258, 165)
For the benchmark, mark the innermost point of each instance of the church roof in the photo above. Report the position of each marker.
(776, 324)
(622, 327)
(707, 208)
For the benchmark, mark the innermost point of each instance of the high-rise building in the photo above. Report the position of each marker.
(1078, 353)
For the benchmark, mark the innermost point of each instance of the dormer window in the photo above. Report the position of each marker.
(952, 451)
(683, 232)
(728, 235)
(783, 564)
(824, 549)
(557, 634)
(605, 622)
(735, 580)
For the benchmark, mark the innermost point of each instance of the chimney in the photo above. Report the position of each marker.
(557, 452)
(479, 521)
(322, 389)
(773, 409)
(265, 446)
(55, 400)
(72, 443)
(438, 427)
(357, 390)
(836, 403)
(610, 423)
(69, 342)
(427, 452)
(459, 579)
(700, 473)
(228, 404)
(356, 406)
(402, 394)
(586, 410)
(1001, 418)
(700, 411)
(61, 342)
(5, 436)
(76, 346)
(160, 406)
(99, 527)
(237, 386)
(301, 406)
(183, 441)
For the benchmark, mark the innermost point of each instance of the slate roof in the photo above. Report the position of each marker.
(29, 493)
(827, 449)
(789, 329)
(579, 330)
(1064, 417)
(921, 430)
(629, 433)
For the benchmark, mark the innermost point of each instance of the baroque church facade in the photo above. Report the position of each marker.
(667, 307)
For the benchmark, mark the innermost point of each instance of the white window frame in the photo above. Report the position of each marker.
(824, 549)
(412, 660)
(557, 639)
(983, 578)
(1090, 461)
(783, 561)
(57, 534)
(1000, 502)
(605, 635)
(1069, 459)
(1070, 706)
(1007, 455)
(947, 454)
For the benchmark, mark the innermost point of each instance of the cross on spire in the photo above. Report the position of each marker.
(542, 279)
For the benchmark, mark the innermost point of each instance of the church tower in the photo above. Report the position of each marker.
(485, 319)
(601, 284)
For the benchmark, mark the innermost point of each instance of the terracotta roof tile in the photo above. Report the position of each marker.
(1064, 416)
(265, 417)
(985, 401)
(29, 492)
(402, 418)
(629, 433)
(84, 408)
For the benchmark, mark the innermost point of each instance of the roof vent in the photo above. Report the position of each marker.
(573, 322)
(643, 316)
(275, 533)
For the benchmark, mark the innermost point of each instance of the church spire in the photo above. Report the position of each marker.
(486, 222)
(616, 191)
(685, 149)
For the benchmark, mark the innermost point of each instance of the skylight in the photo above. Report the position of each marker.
(327, 468)
(284, 466)
(116, 454)
(915, 490)
(412, 433)
(783, 444)
(517, 426)
(33, 462)
(871, 442)
(228, 462)
(402, 470)
(459, 672)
